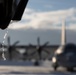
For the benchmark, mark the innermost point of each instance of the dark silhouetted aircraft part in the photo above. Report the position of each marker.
(19, 10)
(11, 10)
(5, 13)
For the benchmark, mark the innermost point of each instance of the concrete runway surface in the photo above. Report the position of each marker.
(32, 70)
(28, 68)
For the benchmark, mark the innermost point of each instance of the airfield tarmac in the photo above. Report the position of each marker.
(32, 70)
(44, 69)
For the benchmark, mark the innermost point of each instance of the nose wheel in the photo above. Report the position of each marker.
(55, 66)
(36, 63)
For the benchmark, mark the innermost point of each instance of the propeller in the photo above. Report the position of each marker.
(11, 47)
(26, 54)
(40, 48)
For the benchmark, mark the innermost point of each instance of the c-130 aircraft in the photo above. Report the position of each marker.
(11, 10)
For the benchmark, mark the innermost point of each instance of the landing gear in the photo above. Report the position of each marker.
(36, 63)
(55, 66)
(70, 69)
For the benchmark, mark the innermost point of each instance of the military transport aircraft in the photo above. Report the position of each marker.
(65, 55)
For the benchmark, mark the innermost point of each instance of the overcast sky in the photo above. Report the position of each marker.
(43, 18)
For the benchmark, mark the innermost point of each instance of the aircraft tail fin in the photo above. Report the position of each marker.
(63, 34)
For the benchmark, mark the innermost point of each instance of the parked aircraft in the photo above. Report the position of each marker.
(65, 55)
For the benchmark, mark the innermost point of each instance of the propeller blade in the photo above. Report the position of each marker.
(33, 53)
(46, 51)
(38, 41)
(8, 40)
(45, 44)
(30, 45)
(15, 43)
